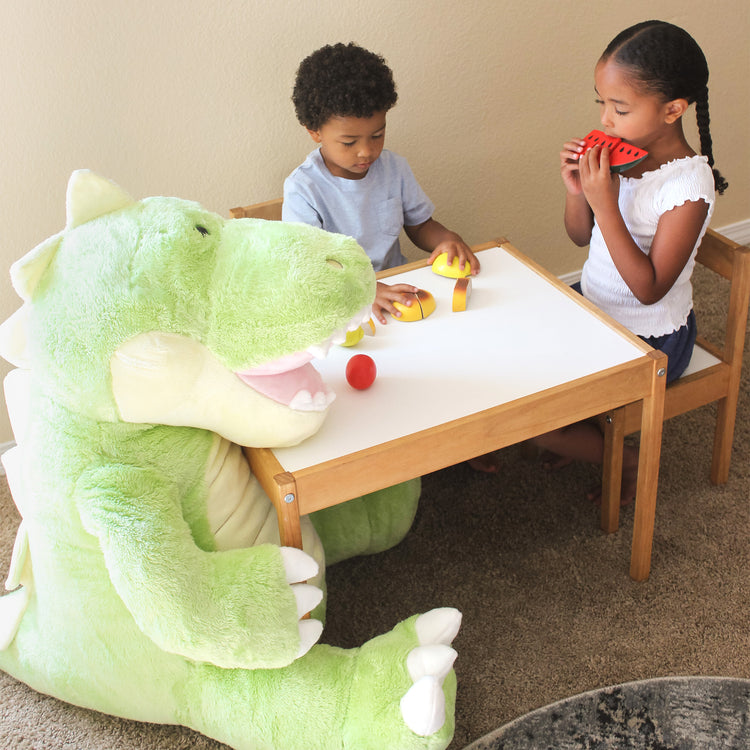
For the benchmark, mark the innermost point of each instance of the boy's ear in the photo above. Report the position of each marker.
(314, 134)
(675, 109)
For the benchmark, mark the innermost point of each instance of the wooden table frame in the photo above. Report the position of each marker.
(642, 379)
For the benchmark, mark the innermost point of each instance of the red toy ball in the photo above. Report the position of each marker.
(361, 371)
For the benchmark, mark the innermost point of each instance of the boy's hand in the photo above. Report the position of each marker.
(456, 249)
(386, 295)
(432, 237)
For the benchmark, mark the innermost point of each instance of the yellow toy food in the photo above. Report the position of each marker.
(461, 294)
(423, 305)
(453, 271)
(355, 336)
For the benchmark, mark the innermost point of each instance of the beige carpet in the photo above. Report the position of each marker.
(549, 609)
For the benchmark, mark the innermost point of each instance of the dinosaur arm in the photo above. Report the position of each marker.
(231, 608)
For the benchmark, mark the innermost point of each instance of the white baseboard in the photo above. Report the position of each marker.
(570, 278)
(738, 232)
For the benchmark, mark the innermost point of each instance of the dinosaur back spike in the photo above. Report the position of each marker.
(14, 339)
(90, 195)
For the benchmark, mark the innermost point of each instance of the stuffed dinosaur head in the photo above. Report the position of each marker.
(157, 311)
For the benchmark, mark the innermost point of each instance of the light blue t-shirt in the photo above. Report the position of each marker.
(373, 210)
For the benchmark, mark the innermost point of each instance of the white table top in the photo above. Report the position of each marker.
(518, 336)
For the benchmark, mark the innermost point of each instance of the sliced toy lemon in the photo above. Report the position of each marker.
(353, 337)
(440, 266)
(423, 304)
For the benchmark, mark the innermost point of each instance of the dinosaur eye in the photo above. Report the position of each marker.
(202, 229)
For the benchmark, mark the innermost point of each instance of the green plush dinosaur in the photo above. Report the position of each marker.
(147, 580)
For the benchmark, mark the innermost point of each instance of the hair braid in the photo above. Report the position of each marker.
(701, 113)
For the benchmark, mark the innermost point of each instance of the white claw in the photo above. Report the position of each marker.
(14, 338)
(308, 597)
(298, 565)
(423, 706)
(309, 632)
(438, 626)
(436, 660)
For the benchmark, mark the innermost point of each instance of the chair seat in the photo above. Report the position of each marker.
(700, 360)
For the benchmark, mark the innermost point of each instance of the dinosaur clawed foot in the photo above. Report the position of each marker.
(423, 705)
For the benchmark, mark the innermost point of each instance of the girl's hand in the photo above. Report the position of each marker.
(569, 158)
(600, 186)
(456, 249)
(386, 295)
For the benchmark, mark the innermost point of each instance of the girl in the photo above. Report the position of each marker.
(642, 227)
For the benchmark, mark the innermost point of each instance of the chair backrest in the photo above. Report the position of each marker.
(270, 210)
(732, 261)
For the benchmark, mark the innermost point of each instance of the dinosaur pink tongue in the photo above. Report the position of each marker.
(284, 387)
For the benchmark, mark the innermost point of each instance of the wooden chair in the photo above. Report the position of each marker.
(712, 375)
(270, 210)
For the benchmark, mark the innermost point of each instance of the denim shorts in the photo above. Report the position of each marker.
(678, 345)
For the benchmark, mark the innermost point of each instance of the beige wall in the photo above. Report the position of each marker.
(192, 98)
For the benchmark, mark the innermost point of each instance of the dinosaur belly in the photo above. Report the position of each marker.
(239, 511)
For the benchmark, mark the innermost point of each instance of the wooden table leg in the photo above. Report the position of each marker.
(287, 510)
(648, 471)
(281, 488)
(614, 442)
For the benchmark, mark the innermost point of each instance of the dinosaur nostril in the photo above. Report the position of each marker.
(333, 262)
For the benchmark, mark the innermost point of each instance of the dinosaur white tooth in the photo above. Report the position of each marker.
(439, 625)
(423, 706)
(436, 660)
(320, 401)
(320, 351)
(302, 401)
(338, 336)
(365, 314)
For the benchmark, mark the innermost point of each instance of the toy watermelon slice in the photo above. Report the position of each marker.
(622, 155)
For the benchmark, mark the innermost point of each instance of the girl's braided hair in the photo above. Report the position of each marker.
(665, 60)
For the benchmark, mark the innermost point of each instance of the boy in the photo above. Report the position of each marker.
(351, 185)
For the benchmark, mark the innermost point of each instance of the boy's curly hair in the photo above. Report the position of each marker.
(342, 80)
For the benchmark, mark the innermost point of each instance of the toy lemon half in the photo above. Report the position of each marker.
(440, 266)
(355, 336)
(422, 306)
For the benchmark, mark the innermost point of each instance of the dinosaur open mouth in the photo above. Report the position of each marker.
(291, 380)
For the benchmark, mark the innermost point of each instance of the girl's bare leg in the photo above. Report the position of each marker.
(584, 441)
